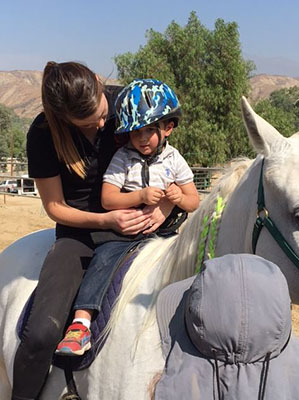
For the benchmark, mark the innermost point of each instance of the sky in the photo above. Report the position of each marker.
(33, 32)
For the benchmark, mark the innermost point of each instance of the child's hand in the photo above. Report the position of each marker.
(174, 194)
(151, 195)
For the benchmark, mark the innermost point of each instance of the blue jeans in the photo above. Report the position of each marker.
(100, 274)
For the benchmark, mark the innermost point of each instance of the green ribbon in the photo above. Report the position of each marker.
(209, 229)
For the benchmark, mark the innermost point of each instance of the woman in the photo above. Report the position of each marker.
(69, 147)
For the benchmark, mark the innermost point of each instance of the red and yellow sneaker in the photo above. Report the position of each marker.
(75, 342)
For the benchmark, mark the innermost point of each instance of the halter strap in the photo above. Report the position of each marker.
(260, 193)
(263, 220)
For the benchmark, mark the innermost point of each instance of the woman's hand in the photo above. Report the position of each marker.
(159, 213)
(128, 222)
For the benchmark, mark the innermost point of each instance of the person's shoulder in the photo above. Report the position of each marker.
(122, 153)
(172, 149)
(39, 125)
(112, 91)
(40, 121)
(169, 151)
(177, 160)
(113, 88)
(39, 135)
(175, 152)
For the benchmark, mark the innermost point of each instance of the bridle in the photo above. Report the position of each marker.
(263, 220)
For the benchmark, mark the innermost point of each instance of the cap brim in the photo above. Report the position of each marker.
(168, 302)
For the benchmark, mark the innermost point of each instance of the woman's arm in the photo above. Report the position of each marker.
(114, 199)
(128, 222)
(185, 196)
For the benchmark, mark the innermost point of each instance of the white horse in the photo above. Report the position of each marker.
(132, 355)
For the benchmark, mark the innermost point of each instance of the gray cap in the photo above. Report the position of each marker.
(226, 333)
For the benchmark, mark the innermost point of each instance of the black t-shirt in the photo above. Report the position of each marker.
(83, 194)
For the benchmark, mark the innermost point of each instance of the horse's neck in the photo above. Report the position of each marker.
(238, 218)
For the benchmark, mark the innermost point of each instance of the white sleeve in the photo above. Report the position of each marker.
(115, 173)
(184, 173)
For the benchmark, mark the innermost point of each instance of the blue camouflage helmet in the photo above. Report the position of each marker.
(143, 102)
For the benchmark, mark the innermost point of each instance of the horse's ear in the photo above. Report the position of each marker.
(261, 134)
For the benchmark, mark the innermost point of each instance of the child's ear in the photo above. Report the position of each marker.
(169, 127)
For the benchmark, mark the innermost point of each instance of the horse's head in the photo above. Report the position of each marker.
(281, 190)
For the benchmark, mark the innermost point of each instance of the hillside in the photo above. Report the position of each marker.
(263, 85)
(20, 90)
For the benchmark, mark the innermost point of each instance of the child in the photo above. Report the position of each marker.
(144, 171)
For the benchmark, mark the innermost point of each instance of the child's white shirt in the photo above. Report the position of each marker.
(125, 169)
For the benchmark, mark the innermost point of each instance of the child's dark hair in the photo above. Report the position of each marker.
(165, 122)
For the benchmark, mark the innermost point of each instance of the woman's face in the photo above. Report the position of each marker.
(95, 121)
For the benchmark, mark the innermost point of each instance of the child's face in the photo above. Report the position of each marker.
(146, 139)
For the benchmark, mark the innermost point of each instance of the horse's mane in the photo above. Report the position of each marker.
(162, 255)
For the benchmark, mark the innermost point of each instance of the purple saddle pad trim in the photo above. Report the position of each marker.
(97, 326)
(25, 314)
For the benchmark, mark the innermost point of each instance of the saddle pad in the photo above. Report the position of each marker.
(97, 326)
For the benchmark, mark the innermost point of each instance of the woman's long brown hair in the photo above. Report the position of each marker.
(69, 90)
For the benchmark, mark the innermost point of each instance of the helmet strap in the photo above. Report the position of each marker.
(148, 160)
(160, 144)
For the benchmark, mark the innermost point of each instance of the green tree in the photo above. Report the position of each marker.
(12, 134)
(206, 70)
(19, 142)
(281, 110)
(288, 101)
(282, 120)
(5, 125)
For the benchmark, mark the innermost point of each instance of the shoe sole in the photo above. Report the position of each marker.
(65, 351)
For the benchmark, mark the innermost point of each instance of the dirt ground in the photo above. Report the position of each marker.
(22, 215)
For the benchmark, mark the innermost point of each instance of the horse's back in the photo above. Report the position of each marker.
(24, 257)
(20, 265)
